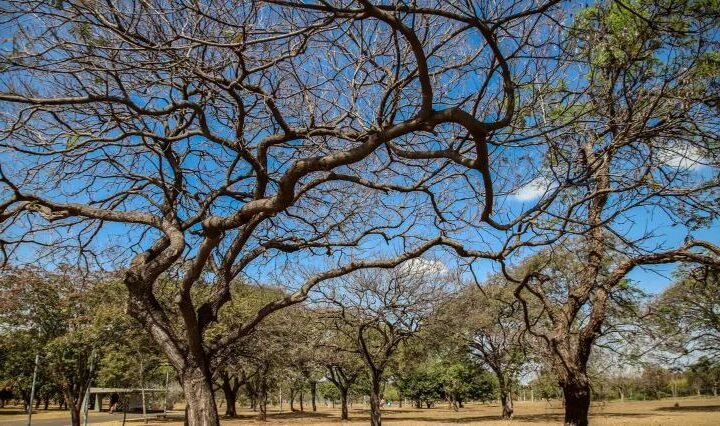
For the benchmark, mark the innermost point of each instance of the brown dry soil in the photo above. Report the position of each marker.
(690, 411)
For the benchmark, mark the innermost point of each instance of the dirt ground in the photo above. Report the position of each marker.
(691, 411)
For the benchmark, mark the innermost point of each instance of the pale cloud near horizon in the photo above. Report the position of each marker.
(532, 190)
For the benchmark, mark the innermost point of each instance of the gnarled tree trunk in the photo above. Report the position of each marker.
(230, 385)
(230, 401)
(197, 387)
(576, 395)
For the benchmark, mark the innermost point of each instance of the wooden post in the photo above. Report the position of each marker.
(142, 390)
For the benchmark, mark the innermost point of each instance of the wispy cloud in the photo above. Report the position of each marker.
(424, 266)
(532, 190)
(682, 157)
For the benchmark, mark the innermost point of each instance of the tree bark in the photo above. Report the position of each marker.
(263, 402)
(375, 413)
(74, 403)
(230, 400)
(576, 395)
(313, 394)
(302, 407)
(344, 404)
(507, 403)
(198, 390)
(74, 415)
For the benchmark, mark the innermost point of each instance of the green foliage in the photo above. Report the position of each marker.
(326, 390)
(422, 385)
(436, 379)
(76, 323)
(688, 313)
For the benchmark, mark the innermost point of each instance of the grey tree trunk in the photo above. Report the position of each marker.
(201, 409)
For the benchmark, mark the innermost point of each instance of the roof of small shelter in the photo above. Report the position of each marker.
(123, 390)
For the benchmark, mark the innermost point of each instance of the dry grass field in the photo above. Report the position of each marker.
(691, 411)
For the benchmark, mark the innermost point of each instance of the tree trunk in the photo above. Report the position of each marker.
(344, 404)
(73, 404)
(74, 415)
(507, 403)
(576, 396)
(302, 407)
(26, 400)
(230, 399)
(263, 402)
(46, 403)
(201, 408)
(292, 400)
(375, 414)
(313, 395)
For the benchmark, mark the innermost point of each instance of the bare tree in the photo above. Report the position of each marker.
(495, 330)
(380, 309)
(219, 138)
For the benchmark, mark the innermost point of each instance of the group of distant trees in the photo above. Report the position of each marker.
(75, 325)
(321, 148)
(410, 335)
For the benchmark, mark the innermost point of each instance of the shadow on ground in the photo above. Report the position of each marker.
(692, 408)
(282, 416)
(13, 412)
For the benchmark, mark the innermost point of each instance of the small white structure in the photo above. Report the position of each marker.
(130, 398)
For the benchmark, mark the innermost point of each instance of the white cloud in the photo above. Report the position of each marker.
(536, 188)
(424, 266)
(682, 157)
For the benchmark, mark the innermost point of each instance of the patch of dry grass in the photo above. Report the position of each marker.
(691, 411)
